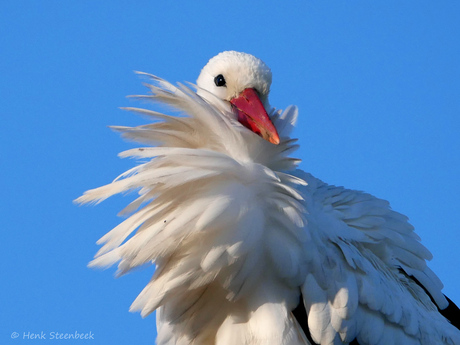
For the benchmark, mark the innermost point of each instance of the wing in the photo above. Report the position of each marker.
(368, 280)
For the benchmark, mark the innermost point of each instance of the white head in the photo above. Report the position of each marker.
(244, 81)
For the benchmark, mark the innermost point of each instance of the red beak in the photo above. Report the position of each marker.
(252, 115)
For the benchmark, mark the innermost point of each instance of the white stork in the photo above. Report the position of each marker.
(250, 250)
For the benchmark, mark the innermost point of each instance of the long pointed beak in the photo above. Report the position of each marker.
(252, 115)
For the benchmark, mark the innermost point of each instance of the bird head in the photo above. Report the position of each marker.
(244, 81)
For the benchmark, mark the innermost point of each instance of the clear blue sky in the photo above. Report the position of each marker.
(377, 84)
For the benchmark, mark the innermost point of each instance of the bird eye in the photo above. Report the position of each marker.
(219, 80)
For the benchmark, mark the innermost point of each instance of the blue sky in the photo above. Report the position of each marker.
(377, 84)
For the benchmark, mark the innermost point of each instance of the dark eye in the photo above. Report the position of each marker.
(219, 80)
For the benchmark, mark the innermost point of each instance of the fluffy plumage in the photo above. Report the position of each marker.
(240, 236)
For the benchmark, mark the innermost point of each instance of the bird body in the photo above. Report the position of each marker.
(240, 236)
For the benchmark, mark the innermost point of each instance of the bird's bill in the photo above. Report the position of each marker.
(252, 115)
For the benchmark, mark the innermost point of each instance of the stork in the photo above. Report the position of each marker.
(248, 249)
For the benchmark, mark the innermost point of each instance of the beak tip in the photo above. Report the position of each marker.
(275, 140)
